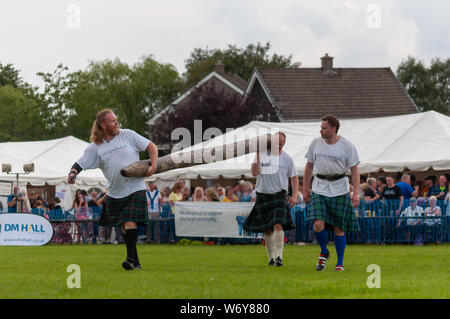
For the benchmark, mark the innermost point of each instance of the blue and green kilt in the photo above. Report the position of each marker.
(269, 210)
(334, 211)
(116, 211)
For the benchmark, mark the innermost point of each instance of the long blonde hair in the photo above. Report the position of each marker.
(97, 134)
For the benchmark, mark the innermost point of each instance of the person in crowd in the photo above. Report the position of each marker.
(14, 199)
(1, 207)
(176, 194)
(431, 187)
(221, 192)
(211, 195)
(247, 192)
(198, 195)
(94, 213)
(421, 185)
(381, 184)
(301, 201)
(154, 201)
(81, 213)
(186, 193)
(371, 193)
(23, 206)
(405, 186)
(393, 194)
(75, 199)
(362, 190)
(432, 221)
(408, 214)
(40, 209)
(447, 204)
(230, 197)
(238, 190)
(443, 187)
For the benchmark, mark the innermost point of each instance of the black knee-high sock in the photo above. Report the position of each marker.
(131, 240)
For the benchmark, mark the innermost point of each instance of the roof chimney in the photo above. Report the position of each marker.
(219, 67)
(327, 63)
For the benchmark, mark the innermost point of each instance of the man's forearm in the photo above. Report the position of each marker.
(307, 175)
(294, 184)
(256, 169)
(153, 152)
(355, 178)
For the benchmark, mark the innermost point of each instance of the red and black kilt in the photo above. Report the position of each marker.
(116, 211)
(269, 210)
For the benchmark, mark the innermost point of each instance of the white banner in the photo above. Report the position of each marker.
(212, 219)
(23, 229)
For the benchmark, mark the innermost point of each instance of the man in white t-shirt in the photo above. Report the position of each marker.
(111, 150)
(270, 215)
(331, 156)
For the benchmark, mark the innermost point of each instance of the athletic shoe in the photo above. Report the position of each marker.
(129, 264)
(322, 262)
(339, 268)
(272, 262)
(278, 262)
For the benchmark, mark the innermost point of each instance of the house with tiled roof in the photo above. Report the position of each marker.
(305, 94)
(218, 78)
(302, 94)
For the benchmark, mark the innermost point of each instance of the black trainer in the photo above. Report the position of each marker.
(322, 262)
(278, 262)
(272, 262)
(129, 264)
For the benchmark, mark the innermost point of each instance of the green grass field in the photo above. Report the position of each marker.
(210, 272)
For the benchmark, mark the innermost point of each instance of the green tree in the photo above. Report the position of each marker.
(236, 60)
(9, 76)
(19, 116)
(428, 87)
(71, 100)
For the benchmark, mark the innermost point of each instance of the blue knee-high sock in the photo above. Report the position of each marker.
(339, 242)
(322, 239)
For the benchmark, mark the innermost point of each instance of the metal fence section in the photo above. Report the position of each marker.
(381, 222)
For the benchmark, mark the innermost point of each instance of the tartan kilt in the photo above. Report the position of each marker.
(334, 211)
(269, 210)
(116, 211)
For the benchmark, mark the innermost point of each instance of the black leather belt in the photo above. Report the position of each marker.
(330, 178)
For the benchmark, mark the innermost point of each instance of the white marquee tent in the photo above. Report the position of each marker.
(52, 161)
(414, 142)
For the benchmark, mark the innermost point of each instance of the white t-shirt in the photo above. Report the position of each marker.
(275, 173)
(111, 157)
(335, 159)
(153, 197)
(409, 212)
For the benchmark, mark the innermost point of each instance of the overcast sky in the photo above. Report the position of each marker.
(38, 35)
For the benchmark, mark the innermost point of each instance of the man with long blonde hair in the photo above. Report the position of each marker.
(111, 150)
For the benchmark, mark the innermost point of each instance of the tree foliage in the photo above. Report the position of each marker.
(236, 60)
(215, 108)
(428, 87)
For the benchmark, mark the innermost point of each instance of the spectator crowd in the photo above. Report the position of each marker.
(412, 199)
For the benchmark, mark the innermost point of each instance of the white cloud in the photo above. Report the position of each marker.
(35, 36)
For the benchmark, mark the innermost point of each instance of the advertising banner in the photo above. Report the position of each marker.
(23, 229)
(212, 219)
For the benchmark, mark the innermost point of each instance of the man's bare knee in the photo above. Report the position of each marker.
(319, 225)
(130, 225)
(268, 232)
(278, 227)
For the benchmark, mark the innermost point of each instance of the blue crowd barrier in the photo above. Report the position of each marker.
(380, 222)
